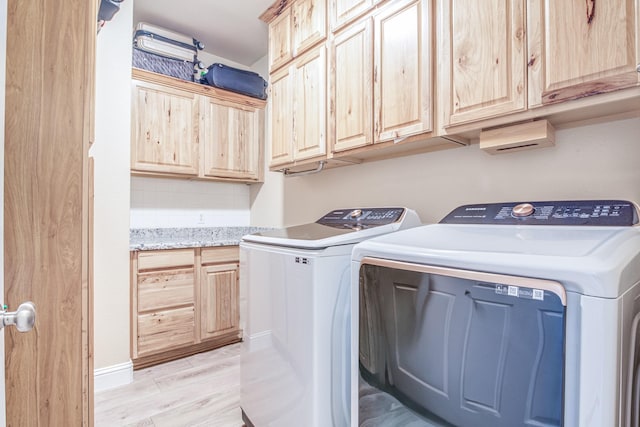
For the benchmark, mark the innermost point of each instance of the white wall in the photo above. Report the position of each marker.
(596, 161)
(162, 203)
(267, 199)
(111, 218)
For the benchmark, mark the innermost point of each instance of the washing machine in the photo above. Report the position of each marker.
(507, 314)
(295, 353)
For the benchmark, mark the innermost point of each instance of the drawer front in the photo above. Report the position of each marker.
(163, 330)
(164, 289)
(220, 254)
(165, 258)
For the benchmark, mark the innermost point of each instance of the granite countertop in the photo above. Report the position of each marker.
(145, 239)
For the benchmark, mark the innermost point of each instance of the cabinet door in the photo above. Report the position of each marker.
(164, 130)
(281, 110)
(309, 24)
(351, 85)
(482, 59)
(341, 11)
(231, 140)
(219, 299)
(309, 101)
(402, 73)
(280, 48)
(578, 49)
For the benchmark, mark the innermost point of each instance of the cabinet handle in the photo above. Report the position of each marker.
(320, 167)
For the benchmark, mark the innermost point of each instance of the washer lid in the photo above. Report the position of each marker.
(339, 227)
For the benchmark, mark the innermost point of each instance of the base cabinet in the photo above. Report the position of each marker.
(219, 296)
(183, 301)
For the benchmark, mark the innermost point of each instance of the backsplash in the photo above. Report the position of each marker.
(162, 203)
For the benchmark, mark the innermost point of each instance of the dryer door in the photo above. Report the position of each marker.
(454, 349)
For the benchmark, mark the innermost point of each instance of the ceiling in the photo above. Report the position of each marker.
(230, 29)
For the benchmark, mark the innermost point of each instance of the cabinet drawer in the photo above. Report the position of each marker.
(166, 329)
(165, 258)
(164, 289)
(220, 254)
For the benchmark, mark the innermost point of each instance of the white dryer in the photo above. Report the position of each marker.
(501, 315)
(295, 354)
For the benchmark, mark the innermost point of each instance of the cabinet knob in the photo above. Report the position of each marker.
(638, 68)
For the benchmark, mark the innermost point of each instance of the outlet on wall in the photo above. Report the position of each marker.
(201, 218)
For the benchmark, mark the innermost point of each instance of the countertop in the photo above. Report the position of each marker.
(145, 239)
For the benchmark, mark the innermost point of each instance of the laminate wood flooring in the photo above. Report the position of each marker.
(198, 391)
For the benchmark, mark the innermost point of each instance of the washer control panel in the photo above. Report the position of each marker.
(359, 218)
(577, 212)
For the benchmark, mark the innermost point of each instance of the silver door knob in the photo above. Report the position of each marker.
(23, 318)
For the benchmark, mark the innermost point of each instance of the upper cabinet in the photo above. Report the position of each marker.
(190, 130)
(380, 77)
(504, 57)
(309, 24)
(298, 109)
(309, 101)
(402, 69)
(229, 135)
(294, 28)
(342, 11)
(482, 63)
(577, 49)
(164, 129)
(280, 40)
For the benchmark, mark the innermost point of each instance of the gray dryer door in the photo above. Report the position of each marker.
(458, 351)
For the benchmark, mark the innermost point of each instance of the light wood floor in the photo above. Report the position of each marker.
(201, 390)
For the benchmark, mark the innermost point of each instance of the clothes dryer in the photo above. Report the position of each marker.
(501, 315)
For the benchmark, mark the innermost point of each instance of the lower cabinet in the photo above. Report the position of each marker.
(183, 301)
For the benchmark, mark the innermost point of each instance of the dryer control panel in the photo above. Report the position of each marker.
(361, 217)
(619, 213)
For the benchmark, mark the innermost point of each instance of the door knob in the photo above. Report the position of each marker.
(23, 318)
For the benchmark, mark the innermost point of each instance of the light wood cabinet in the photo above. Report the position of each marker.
(577, 49)
(184, 129)
(231, 138)
(219, 294)
(280, 40)
(309, 102)
(309, 18)
(342, 11)
(298, 110)
(402, 69)
(164, 129)
(163, 301)
(183, 301)
(482, 61)
(381, 77)
(514, 60)
(294, 27)
(281, 110)
(351, 87)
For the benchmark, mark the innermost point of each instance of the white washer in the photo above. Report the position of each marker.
(501, 315)
(295, 354)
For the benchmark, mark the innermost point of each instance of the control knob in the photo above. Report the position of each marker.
(355, 213)
(523, 210)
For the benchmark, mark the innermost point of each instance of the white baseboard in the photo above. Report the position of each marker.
(113, 376)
